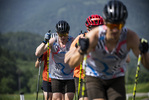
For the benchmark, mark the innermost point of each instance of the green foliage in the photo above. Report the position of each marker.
(17, 96)
(9, 97)
(141, 87)
(131, 72)
(8, 75)
(17, 61)
(21, 44)
(28, 77)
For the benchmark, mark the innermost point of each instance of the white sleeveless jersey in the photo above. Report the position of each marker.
(104, 64)
(57, 68)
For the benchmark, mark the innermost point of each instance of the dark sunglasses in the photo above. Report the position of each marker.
(63, 34)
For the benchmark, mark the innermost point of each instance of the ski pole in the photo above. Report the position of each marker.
(84, 72)
(48, 67)
(80, 73)
(136, 77)
(53, 35)
(80, 79)
(38, 80)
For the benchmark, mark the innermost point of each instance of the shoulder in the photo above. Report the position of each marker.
(131, 35)
(52, 40)
(132, 39)
(93, 33)
(76, 40)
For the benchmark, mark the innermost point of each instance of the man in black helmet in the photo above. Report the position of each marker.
(61, 74)
(107, 47)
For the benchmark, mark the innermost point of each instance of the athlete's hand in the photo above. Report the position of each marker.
(40, 58)
(82, 33)
(84, 45)
(47, 36)
(143, 45)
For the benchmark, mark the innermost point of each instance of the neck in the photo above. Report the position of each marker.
(62, 42)
(111, 40)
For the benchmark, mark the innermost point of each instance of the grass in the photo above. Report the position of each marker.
(17, 96)
(40, 97)
(140, 98)
(143, 87)
(9, 97)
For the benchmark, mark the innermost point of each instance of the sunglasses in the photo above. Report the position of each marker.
(112, 26)
(63, 34)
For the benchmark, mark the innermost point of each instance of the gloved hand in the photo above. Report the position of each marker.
(82, 33)
(47, 37)
(84, 45)
(143, 45)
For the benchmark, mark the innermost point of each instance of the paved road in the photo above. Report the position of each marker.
(138, 95)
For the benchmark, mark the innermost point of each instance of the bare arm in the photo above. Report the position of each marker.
(145, 60)
(74, 57)
(93, 39)
(37, 63)
(43, 47)
(133, 42)
(71, 57)
(69, 54)
(128, 59)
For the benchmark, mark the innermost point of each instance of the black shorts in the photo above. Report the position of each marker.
(76, 86)
(46, 86)
(113, 89)
(63, 86)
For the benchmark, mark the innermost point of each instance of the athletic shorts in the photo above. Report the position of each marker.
(46, 86)
(63, 86)
(76, 86)
(113, 89)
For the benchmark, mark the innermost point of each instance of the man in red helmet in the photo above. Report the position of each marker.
(107, 47)
(91, 22)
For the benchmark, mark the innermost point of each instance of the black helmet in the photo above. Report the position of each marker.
(62, 27)
(115, 11)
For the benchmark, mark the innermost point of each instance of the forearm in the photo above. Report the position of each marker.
(37, 64)
(41, 49)
(145, 60)
(75, 59)
(69, 54)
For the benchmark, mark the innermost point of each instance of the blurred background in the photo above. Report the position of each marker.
(23, 24)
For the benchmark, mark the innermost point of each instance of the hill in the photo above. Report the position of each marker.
(38, 16)
(21, 44)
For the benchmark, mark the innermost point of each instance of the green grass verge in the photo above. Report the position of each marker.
(143, 87)
(17, 96)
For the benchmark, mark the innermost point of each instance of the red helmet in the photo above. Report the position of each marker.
(94, 20)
